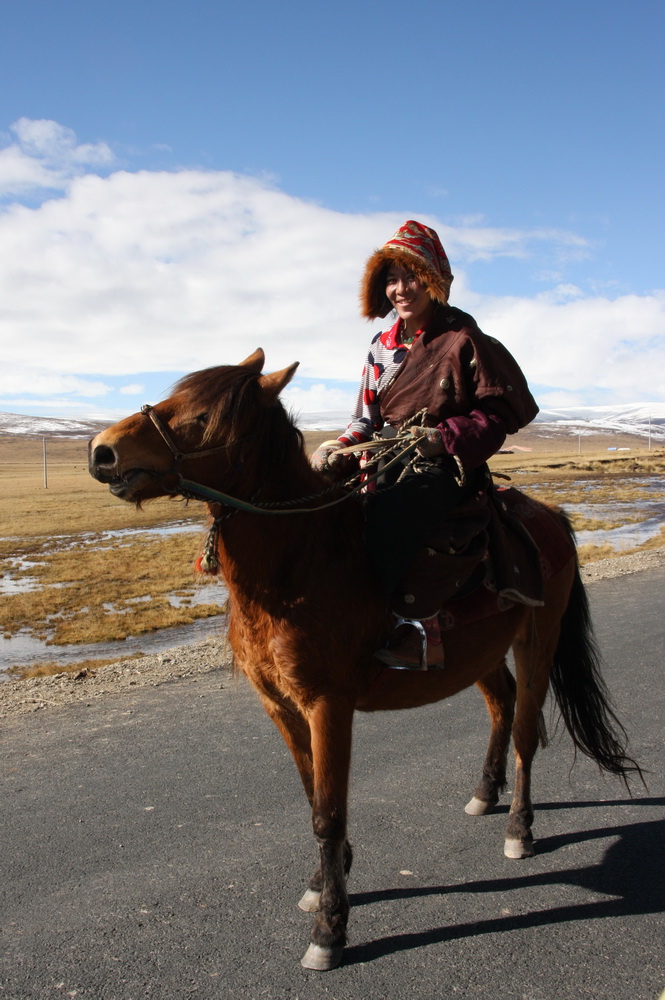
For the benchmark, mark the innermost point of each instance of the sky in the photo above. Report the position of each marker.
(181, 183)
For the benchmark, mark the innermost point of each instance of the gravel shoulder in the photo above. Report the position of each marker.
(183, 662)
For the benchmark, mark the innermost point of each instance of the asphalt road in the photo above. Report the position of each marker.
(155, 844)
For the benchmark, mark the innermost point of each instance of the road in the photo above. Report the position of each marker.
(154, 844)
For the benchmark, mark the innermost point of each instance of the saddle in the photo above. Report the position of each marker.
(527, 543)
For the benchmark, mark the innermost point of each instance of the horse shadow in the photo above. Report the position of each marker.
(630, 872)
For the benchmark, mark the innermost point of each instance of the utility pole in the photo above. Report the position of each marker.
(45, 470)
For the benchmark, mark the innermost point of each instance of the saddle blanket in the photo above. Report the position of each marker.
(528, 545)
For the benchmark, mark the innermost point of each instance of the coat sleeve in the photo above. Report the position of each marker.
(366, 417)
(473, 438)
(499, 385)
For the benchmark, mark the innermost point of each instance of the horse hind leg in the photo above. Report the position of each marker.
(533, 649)
(498, 690)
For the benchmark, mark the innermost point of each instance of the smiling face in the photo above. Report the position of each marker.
(409, 298)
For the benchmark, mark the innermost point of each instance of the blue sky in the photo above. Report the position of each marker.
(180, 183)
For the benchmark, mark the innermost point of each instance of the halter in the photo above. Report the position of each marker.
(178, 456)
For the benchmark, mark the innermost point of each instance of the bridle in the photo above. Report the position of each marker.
(400, 448)
(178, 456)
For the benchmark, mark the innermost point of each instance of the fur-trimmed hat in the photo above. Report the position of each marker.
(416, 247)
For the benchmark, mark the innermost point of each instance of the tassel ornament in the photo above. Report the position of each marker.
(208, 563)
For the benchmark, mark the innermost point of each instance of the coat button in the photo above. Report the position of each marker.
(409, 599)
(444, 383)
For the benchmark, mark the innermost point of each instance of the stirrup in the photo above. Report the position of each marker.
(388, 657)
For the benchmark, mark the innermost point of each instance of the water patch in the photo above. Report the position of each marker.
(630, 522)
(626, 536)
(637, 520)
(18, 584)
(25, 648)
(12, 583)
(205, 593)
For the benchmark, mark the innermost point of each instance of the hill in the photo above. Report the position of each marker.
(19, 423)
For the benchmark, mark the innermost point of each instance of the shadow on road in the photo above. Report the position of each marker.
(630, 872)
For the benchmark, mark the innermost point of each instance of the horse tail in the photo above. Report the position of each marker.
(581, 692)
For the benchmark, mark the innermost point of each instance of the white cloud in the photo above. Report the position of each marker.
(472, 242)
(46, 155)
(318, 398)
(26, 378)
(135, 389)
(615, 345)
(156, 271)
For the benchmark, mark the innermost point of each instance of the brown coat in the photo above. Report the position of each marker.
(454, 368)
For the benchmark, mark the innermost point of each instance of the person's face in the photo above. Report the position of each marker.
(408, 297)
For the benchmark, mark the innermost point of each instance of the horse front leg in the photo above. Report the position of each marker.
(295, 731)
(330, 721)
(498, 690)
(310, 901)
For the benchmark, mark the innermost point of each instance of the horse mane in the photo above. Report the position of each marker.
(229, 395)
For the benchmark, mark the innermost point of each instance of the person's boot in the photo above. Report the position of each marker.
(414, 645)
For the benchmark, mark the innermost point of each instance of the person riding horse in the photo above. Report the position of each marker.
(427, 533)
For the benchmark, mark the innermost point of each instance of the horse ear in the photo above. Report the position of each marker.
(273, 384)
(255, 360)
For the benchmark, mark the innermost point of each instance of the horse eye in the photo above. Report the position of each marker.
(201, 418)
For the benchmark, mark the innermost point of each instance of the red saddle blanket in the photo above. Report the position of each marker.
(528, 544)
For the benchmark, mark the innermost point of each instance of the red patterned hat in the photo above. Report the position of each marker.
(415, 247)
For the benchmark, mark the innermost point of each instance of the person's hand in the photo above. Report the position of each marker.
(431, 441)
(327, 459)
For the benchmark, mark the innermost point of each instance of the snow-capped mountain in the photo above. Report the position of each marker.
(642, 419)
(19, 423)
(638, 418)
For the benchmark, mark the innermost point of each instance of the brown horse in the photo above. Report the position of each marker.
(305, 616)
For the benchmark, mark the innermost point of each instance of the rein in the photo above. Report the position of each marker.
(190, 489)
(200, 492)
(401, 448)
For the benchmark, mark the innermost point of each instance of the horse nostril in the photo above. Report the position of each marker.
(103, 456)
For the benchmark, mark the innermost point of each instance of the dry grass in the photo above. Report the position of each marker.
(107, 591)
(72, 502)
(593, 553)
(82, 667)
(91, 588)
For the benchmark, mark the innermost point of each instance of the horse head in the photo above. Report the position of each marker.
(200, 431)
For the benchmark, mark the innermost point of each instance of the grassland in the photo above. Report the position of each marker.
(89, 587)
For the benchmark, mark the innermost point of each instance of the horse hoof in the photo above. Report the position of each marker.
(518, 849)
(310, 901)
(476, 807)
(321, 959)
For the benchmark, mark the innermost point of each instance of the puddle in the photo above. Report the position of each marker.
(205, 593)
(649, 508)
(24, 584)
(18, 584)
(24, 648)
(627, 536)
